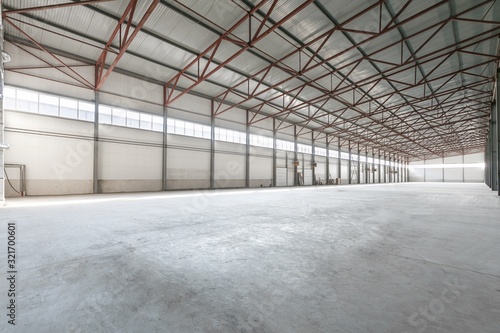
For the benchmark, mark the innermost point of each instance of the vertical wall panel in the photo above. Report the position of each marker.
(472, 173)
(453, 174)
(261, 170)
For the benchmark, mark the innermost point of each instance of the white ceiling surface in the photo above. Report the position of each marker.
(169, 41)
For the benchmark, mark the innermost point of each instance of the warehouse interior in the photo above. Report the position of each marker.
(251, 166)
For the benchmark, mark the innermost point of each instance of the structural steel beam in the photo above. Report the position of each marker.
(398, 119)
(494, 147)
(497, 131)
(2, 125)
(61, 5)
(95, 170)
(126, 39)
(204, 73)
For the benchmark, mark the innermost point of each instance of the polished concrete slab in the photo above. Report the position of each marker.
(365, 258)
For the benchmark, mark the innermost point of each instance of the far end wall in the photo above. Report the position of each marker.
(462, 169)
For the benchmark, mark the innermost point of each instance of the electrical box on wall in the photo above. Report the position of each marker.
(313, 165)
(295, 163)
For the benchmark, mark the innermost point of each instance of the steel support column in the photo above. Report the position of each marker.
(349, 163)
(396, 168)
(497, 131)
(442, 170)
(295, 157)
(390, 169)
(490, 153)
(494, 147)
(313, 159)
(487, 161)
(164, 164)
(463, 168)
(400, 170)
(275, 153)
(359, 166)
(339, 166)
(406, 170)
(403, 169)
(95, 177)
(385, 167)
(2, 125)
(367, 171)
(379, 168)
(327, 167)
(212, 146)
(247, 152)
(425, 172)
(373, 166)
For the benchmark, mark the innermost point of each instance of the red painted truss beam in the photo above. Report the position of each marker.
(126, 39)
(204, 73)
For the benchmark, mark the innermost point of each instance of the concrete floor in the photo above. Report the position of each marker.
(377, 258)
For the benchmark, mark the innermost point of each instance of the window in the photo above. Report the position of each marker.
(301, 148)
(27, 101)
(198, 130)
(132, 119)
(222, 134)
(285, 145)
(261, 141)
(31, 101)
(189, 129)
(229, 136)
(104, 114)
(68, 108)
(86, 111)
(157, 123)
(170, 125)
(344, 156)
(49, 105)
(320, 151)
(207, 132)
(119, 117)
(9, 95)
(243, 138)
(333, 153)
(179, 127)
(145, 121)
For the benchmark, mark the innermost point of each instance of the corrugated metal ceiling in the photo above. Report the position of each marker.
(388, 77)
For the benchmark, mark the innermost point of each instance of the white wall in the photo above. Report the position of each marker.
(188, 162)
(59, 153)
(261, 167)
(130, 160)
(448, 174)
